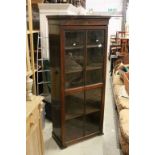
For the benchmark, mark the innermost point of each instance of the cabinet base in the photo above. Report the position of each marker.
(62, 146)
(58, 141)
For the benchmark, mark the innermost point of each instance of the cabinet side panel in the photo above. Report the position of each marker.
(54, 47)
(104, 78)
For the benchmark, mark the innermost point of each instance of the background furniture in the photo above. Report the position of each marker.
(47, 9)
(34, 63)
(119, 49)
(78, 52)
(30, 45)
(34, 137)
(120, 86)
(34, 107)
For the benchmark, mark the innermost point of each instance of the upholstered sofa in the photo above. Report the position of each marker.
(120, 85)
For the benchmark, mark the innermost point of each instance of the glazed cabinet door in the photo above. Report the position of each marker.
(74, 79)
(92, 110)
(94, 79)
(84, 61)
(94, 56)
(74, 59)
(74, 116)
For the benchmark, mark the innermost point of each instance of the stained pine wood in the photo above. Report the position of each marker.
(30, 29)
(34, 135)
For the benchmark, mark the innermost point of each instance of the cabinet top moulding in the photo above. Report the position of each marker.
(79, 20)
(77, 17)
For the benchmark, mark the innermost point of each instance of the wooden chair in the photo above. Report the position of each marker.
(120, 35)
(119, 50)
(113, 46)
(124, 46)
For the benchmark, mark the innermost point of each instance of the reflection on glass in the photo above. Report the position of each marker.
(93, 103)
(74, 39)
(93, 100)
(94, 76)
(94, 57)
(92, 122)
(74, 110)
(74, 105)
(95, 37)
(74, 129)
(74, 75)
(74, 80)
(74, 61)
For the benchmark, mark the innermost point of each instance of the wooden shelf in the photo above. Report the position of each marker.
(88, 68)
(73, 71)
(82, 88)
(75, 106)
(75, 130)
(76, 114)
(73, 47)
(80, 47)
(95, 46)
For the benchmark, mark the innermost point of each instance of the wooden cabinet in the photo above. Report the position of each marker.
(34, 137)
(78, 53)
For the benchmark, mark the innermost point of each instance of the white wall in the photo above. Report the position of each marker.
(104, 5)
(114, 25)
(113, 7)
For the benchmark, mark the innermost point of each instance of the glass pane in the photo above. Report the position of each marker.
(94, 66)
(74, 109)
(93, 103)
(74, 39)
(95, 37)
(92, 123)
(74, 105)
(74, 80)
(74, 59)
(54, 48)
(94, 57)
(93, 100)
(94, 76)
(74, 129)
